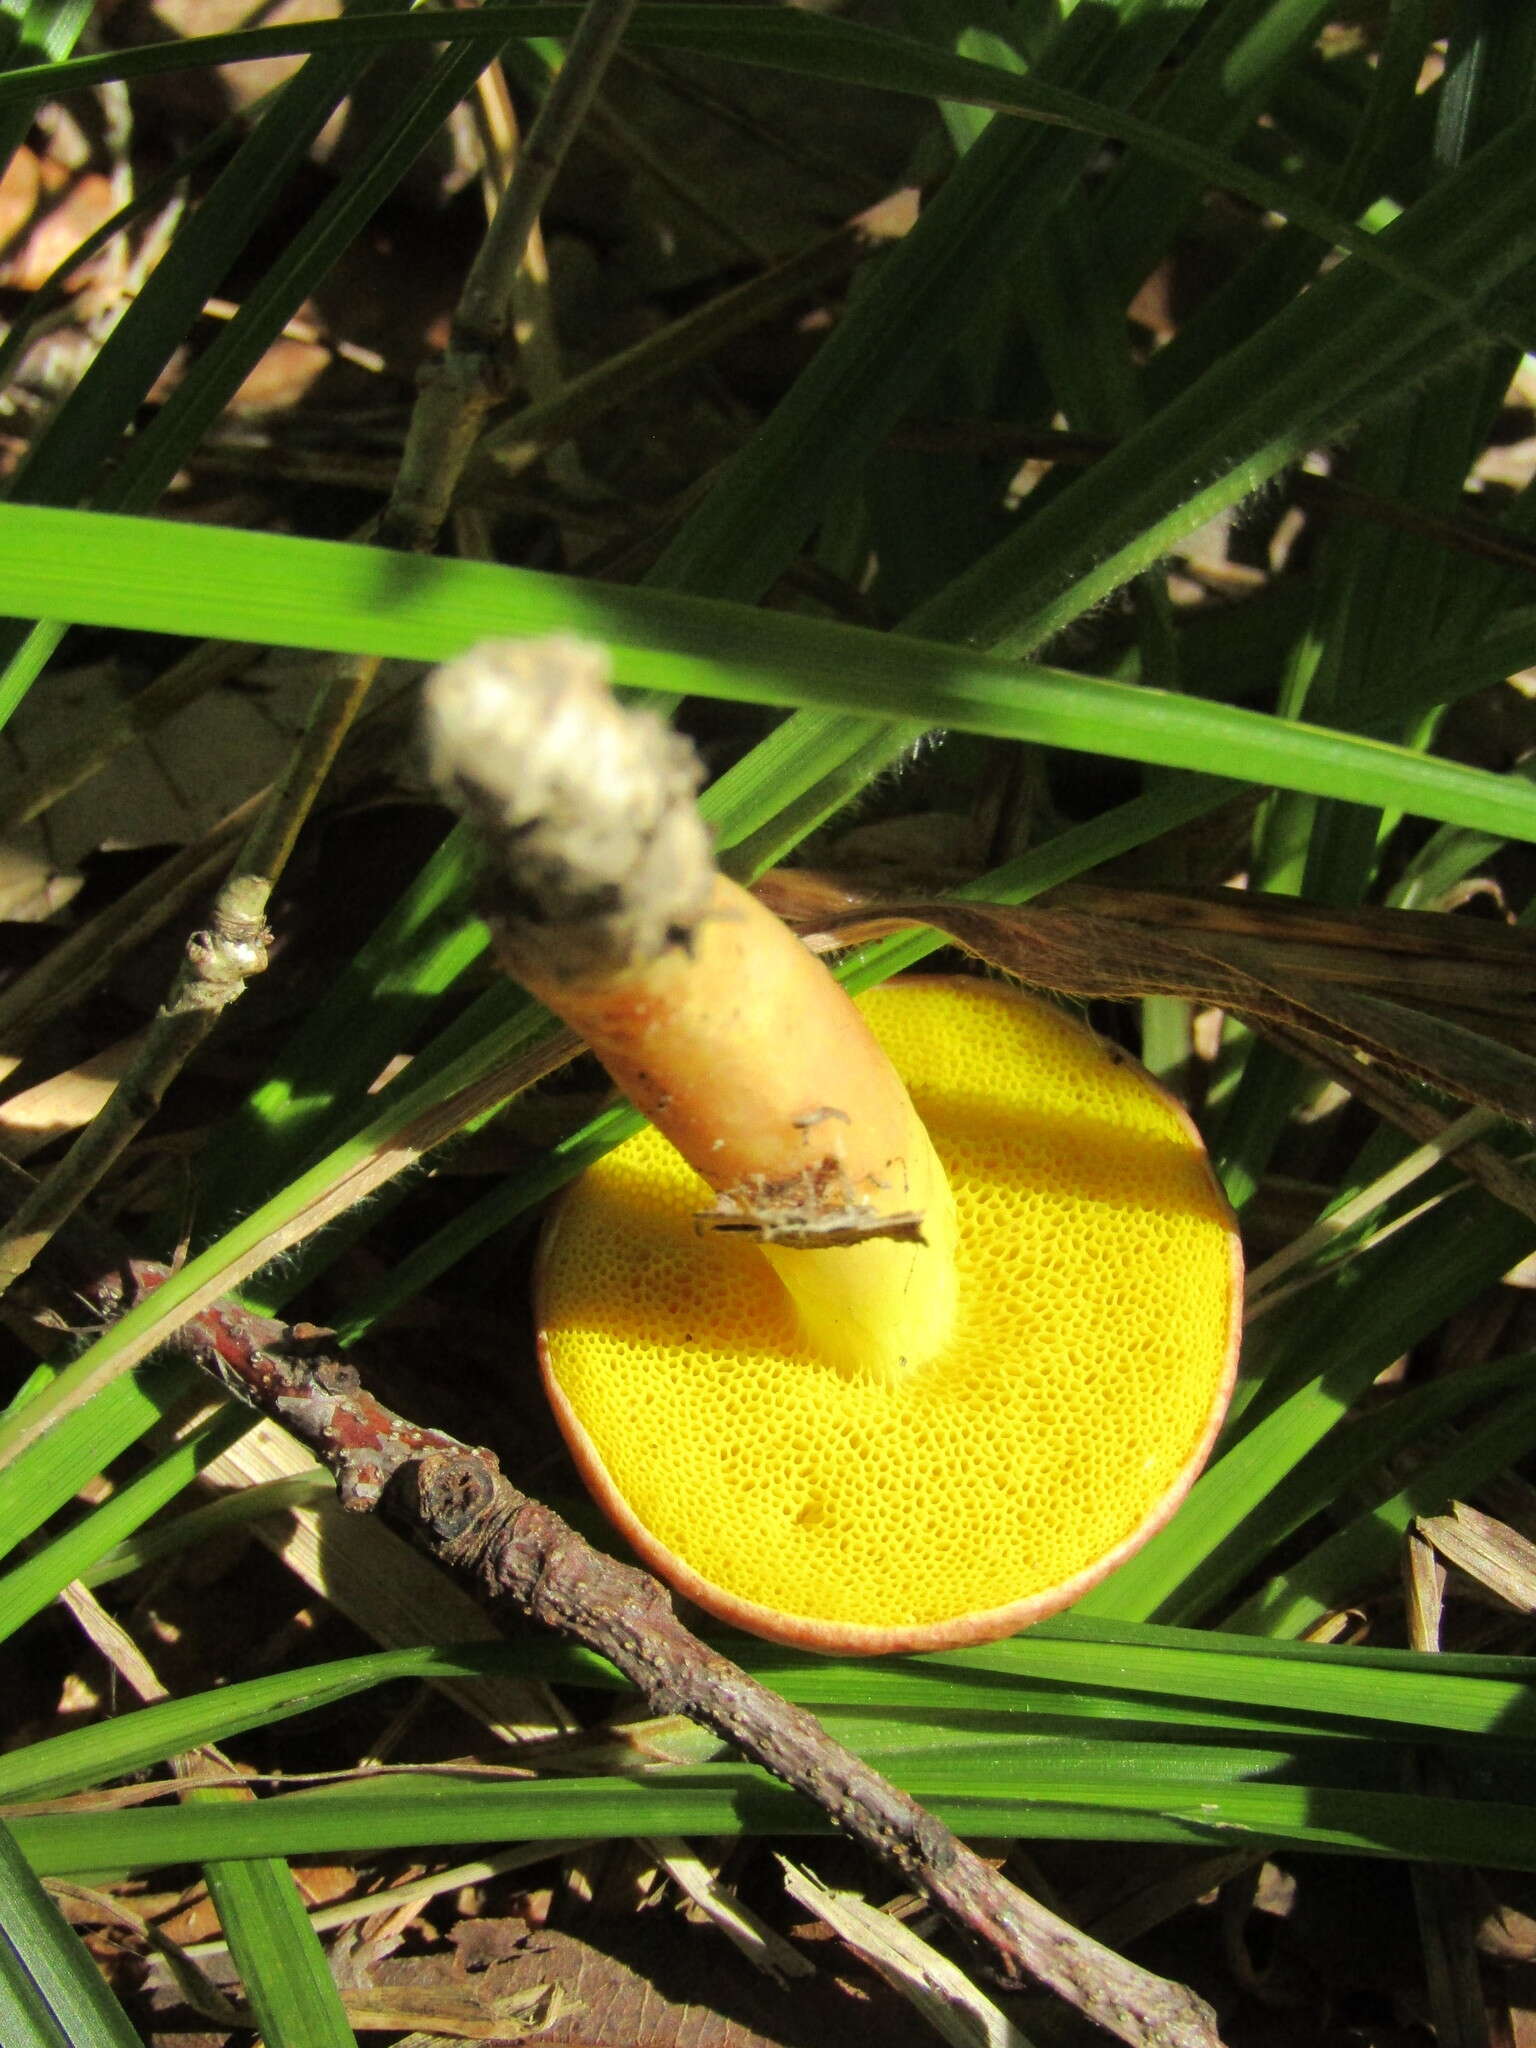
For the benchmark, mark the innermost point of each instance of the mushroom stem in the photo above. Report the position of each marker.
(709, 1014)
(747, 1055)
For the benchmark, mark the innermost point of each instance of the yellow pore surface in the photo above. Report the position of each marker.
(1095, 1320)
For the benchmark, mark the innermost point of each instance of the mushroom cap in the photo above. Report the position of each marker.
(1093, 1354)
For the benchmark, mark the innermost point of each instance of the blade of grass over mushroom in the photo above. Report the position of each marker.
(51, 1993)
(270, 589)
(858, 749)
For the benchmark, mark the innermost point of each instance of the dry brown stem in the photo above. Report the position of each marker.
(516, 1555)
(215, 966)
(1341, 978)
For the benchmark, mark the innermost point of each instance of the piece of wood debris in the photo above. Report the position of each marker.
(742, 1927)
(937, 1988)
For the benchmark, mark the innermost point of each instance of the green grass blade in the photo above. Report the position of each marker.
(220, 370)
(1368, 1549)
(29, 1587)
(1010, 1801)
(814, 46)
(1212, 96)
(99, 411)
(93, 419)
(277, 1952)
(104, 569)
(905, 320)
(68, 1457)
(186, 1531)
(1114, 1669)
(1344, 1334)
(51, 1994)
(1344, 348)
(381, 1001)
(47, 29)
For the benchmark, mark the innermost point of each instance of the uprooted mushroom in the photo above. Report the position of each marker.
(911, 1318)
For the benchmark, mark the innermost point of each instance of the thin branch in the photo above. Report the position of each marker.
(514, 1554)
(215, 967)
(457, 393)
(82, 961)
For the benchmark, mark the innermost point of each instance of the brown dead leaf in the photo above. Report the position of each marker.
(1486, 1550)
(1443, 1001)
(209, 95)
(173, 784)
(493, 1939)
(47, 209)
(659, 1981)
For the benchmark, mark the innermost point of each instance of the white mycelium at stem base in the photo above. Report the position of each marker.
(704, 1007)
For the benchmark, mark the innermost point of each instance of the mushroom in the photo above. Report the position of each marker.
(957, 1330)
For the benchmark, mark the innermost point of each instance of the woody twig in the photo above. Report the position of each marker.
(517, 1556)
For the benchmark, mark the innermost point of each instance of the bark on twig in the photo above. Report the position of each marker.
(517, 1555)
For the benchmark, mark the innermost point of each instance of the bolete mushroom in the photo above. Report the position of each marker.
(959, 1327)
